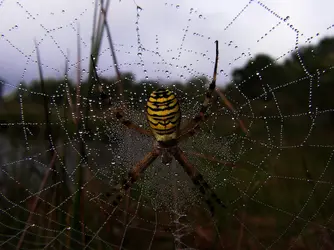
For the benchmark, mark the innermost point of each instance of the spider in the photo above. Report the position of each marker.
(164, 117)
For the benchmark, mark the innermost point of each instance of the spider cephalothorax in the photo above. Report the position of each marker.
(164, 117)
(166, 152)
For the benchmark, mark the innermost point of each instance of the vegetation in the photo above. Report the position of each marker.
(296, 94)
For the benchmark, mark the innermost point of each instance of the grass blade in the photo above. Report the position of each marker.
(35, 203)
(82, 127)
(113, 55)
(78, 76)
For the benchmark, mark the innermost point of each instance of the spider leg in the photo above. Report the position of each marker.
(190, 129)
(134, 174)
(198, 180)
(129, 124)
(211, 158)
(230, 106)
(208, 96)
(118, 112)
(185, 134)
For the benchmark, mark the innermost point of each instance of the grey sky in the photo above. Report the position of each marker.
(55, 21)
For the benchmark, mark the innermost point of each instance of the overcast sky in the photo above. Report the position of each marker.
(183, 35)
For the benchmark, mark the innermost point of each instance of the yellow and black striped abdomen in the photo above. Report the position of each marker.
(163, 114)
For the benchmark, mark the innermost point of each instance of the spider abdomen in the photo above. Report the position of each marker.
(163, 114)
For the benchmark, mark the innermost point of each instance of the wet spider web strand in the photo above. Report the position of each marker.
(274, 149)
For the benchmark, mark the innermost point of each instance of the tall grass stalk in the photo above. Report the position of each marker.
(120, 91)
(113, 55)
(62, 190)
(79, 79)
(97, 33)
(48, 131)
(51, 153)
(35, 203)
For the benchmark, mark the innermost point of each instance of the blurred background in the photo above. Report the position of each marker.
(266, 148)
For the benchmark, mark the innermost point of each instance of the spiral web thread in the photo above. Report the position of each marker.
(278, 187)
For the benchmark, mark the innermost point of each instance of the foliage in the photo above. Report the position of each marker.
(255, 81)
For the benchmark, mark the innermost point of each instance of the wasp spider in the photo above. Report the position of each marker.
(164, 117)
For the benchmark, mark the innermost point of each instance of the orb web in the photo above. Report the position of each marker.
(265, 149)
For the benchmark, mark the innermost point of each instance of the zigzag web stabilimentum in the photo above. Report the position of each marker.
(74, 74)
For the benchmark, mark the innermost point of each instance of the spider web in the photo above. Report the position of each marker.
(276, 178)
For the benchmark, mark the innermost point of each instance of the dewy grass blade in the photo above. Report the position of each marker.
(82, 127)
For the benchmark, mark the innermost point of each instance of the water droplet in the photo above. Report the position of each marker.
(177, 6)
(139, 9)
(286, 18)
(200, 16)
(139, 54)
(63, 11)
